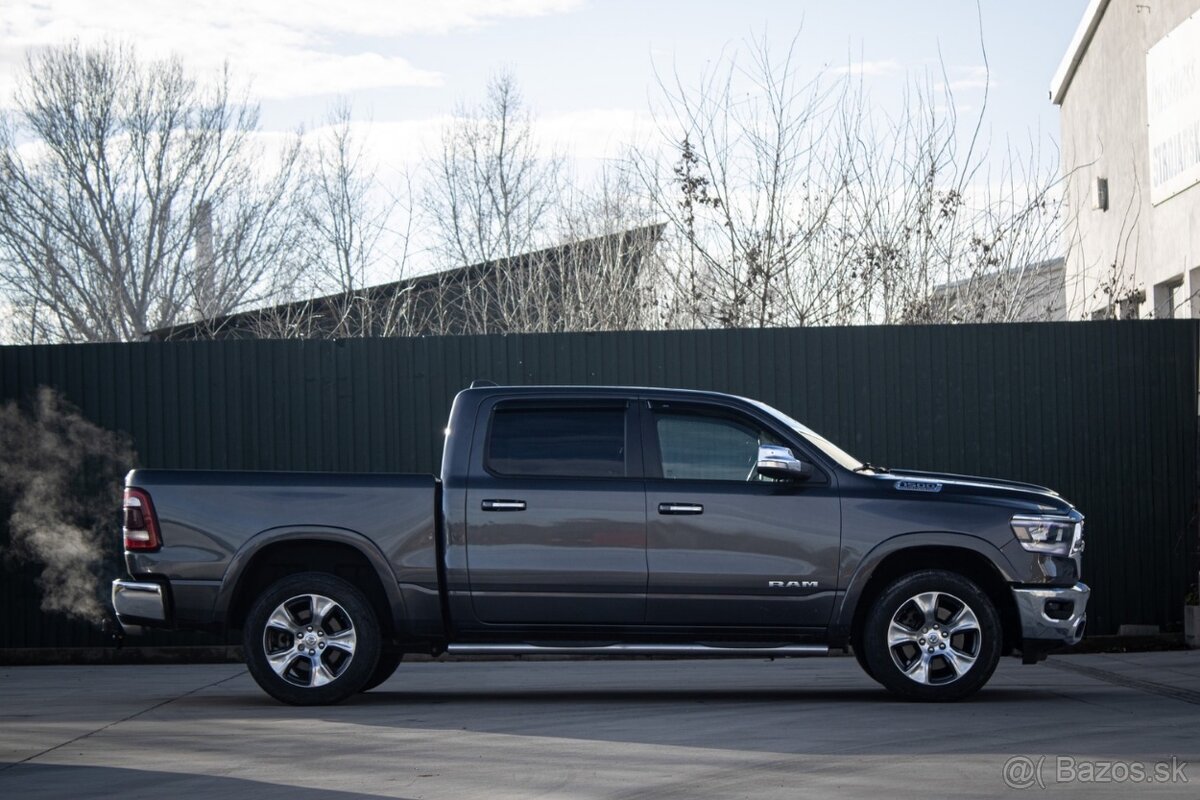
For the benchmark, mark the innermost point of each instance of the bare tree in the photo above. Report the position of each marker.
(490, 193)
(752, 178)
(607, 278)
(133, 197)
(791, 202)
(355, 232)
(349, 210)
(950, 233)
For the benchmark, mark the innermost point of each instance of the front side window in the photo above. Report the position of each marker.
(558, 442)
(703, 447)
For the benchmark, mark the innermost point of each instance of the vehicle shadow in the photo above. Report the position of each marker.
(657, 695)
(836, 718)
(55, 781)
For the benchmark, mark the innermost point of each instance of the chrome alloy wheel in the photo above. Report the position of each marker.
(934, 638)
(309, 640)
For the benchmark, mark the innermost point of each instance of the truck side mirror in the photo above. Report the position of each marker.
(779, 462)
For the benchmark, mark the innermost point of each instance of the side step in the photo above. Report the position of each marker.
(617, 650)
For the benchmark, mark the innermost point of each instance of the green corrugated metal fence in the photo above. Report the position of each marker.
(1104, 412)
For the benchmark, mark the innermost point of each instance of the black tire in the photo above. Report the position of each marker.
(924, 605)
(333, 621)
(861, 658)
(389, 659)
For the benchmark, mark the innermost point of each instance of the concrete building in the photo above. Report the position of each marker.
(1129, 92)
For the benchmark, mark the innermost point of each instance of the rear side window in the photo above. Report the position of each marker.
(559, 442)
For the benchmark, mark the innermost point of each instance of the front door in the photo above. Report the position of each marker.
(556, 518)
(725, 546)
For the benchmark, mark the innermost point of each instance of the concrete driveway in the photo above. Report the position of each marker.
(601, 729)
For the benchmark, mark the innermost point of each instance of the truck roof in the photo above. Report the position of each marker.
(479, 387)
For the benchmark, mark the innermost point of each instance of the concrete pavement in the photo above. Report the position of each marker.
(601, 729)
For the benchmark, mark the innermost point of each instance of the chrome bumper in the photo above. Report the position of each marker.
(1036, 623)
(138, 600)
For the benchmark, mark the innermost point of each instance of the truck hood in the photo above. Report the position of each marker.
(970, 480)
(934, 482)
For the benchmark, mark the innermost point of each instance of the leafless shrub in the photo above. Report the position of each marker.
(791, 203)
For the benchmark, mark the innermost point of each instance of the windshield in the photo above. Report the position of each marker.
(818, 441)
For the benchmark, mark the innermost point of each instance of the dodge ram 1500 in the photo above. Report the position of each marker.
(608, 521)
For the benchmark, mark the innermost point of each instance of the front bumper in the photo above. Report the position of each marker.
(1053, 615)
(138, 603)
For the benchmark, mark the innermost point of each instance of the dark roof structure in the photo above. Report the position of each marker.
(585, 285)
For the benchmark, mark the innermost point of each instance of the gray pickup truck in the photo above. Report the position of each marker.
(615, 522)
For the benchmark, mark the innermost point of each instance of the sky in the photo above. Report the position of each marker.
(586, 67)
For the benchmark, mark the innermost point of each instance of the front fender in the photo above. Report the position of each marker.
(843, 616)
(235, 571)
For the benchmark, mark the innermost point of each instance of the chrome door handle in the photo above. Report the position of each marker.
(503, 505)
(680, 508)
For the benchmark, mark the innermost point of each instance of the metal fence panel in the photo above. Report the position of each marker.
(1104, 412)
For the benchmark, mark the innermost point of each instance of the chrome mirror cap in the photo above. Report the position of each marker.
(776, 461)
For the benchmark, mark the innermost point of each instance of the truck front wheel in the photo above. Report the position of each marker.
(311, 639)
(932, 635)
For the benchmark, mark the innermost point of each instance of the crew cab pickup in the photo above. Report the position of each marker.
(608, 521)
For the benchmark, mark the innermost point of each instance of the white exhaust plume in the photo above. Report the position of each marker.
(60, 483)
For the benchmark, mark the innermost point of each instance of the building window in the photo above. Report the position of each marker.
(1194, 292)
(1129, 307)
(1167, 297)
(1102, 194)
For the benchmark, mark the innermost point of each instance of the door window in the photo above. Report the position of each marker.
(704, 447)
(559, 442)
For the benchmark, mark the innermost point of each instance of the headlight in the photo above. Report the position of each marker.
(1061, 536)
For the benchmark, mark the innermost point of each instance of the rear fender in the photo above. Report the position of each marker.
(313, 533)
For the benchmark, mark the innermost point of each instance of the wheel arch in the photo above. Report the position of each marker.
(969, 556)
(277, 552)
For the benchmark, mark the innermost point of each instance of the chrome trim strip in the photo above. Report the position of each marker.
(636, 650)
(138, 599)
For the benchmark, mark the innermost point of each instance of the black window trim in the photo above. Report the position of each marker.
(652, 453)
(633, 457)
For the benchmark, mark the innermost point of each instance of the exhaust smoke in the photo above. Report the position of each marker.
(60, 481)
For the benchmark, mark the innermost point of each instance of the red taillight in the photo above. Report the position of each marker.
(141, 525)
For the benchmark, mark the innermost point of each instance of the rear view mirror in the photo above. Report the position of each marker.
(775, 461)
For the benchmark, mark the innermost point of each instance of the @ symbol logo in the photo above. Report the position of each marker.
(1022, 772)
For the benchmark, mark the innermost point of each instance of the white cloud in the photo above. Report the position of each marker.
(291, 49)
(583, 135)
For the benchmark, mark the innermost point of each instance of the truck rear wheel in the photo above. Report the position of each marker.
(311, 639)
(932, 635)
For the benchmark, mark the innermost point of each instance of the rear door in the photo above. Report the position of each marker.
(556, 514)
(725, 546)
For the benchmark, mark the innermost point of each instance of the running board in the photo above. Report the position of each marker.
(698, 650)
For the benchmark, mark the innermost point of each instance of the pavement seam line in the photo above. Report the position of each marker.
(116, 722)
(1151, 687)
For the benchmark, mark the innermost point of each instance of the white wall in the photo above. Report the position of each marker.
(1134, 244)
